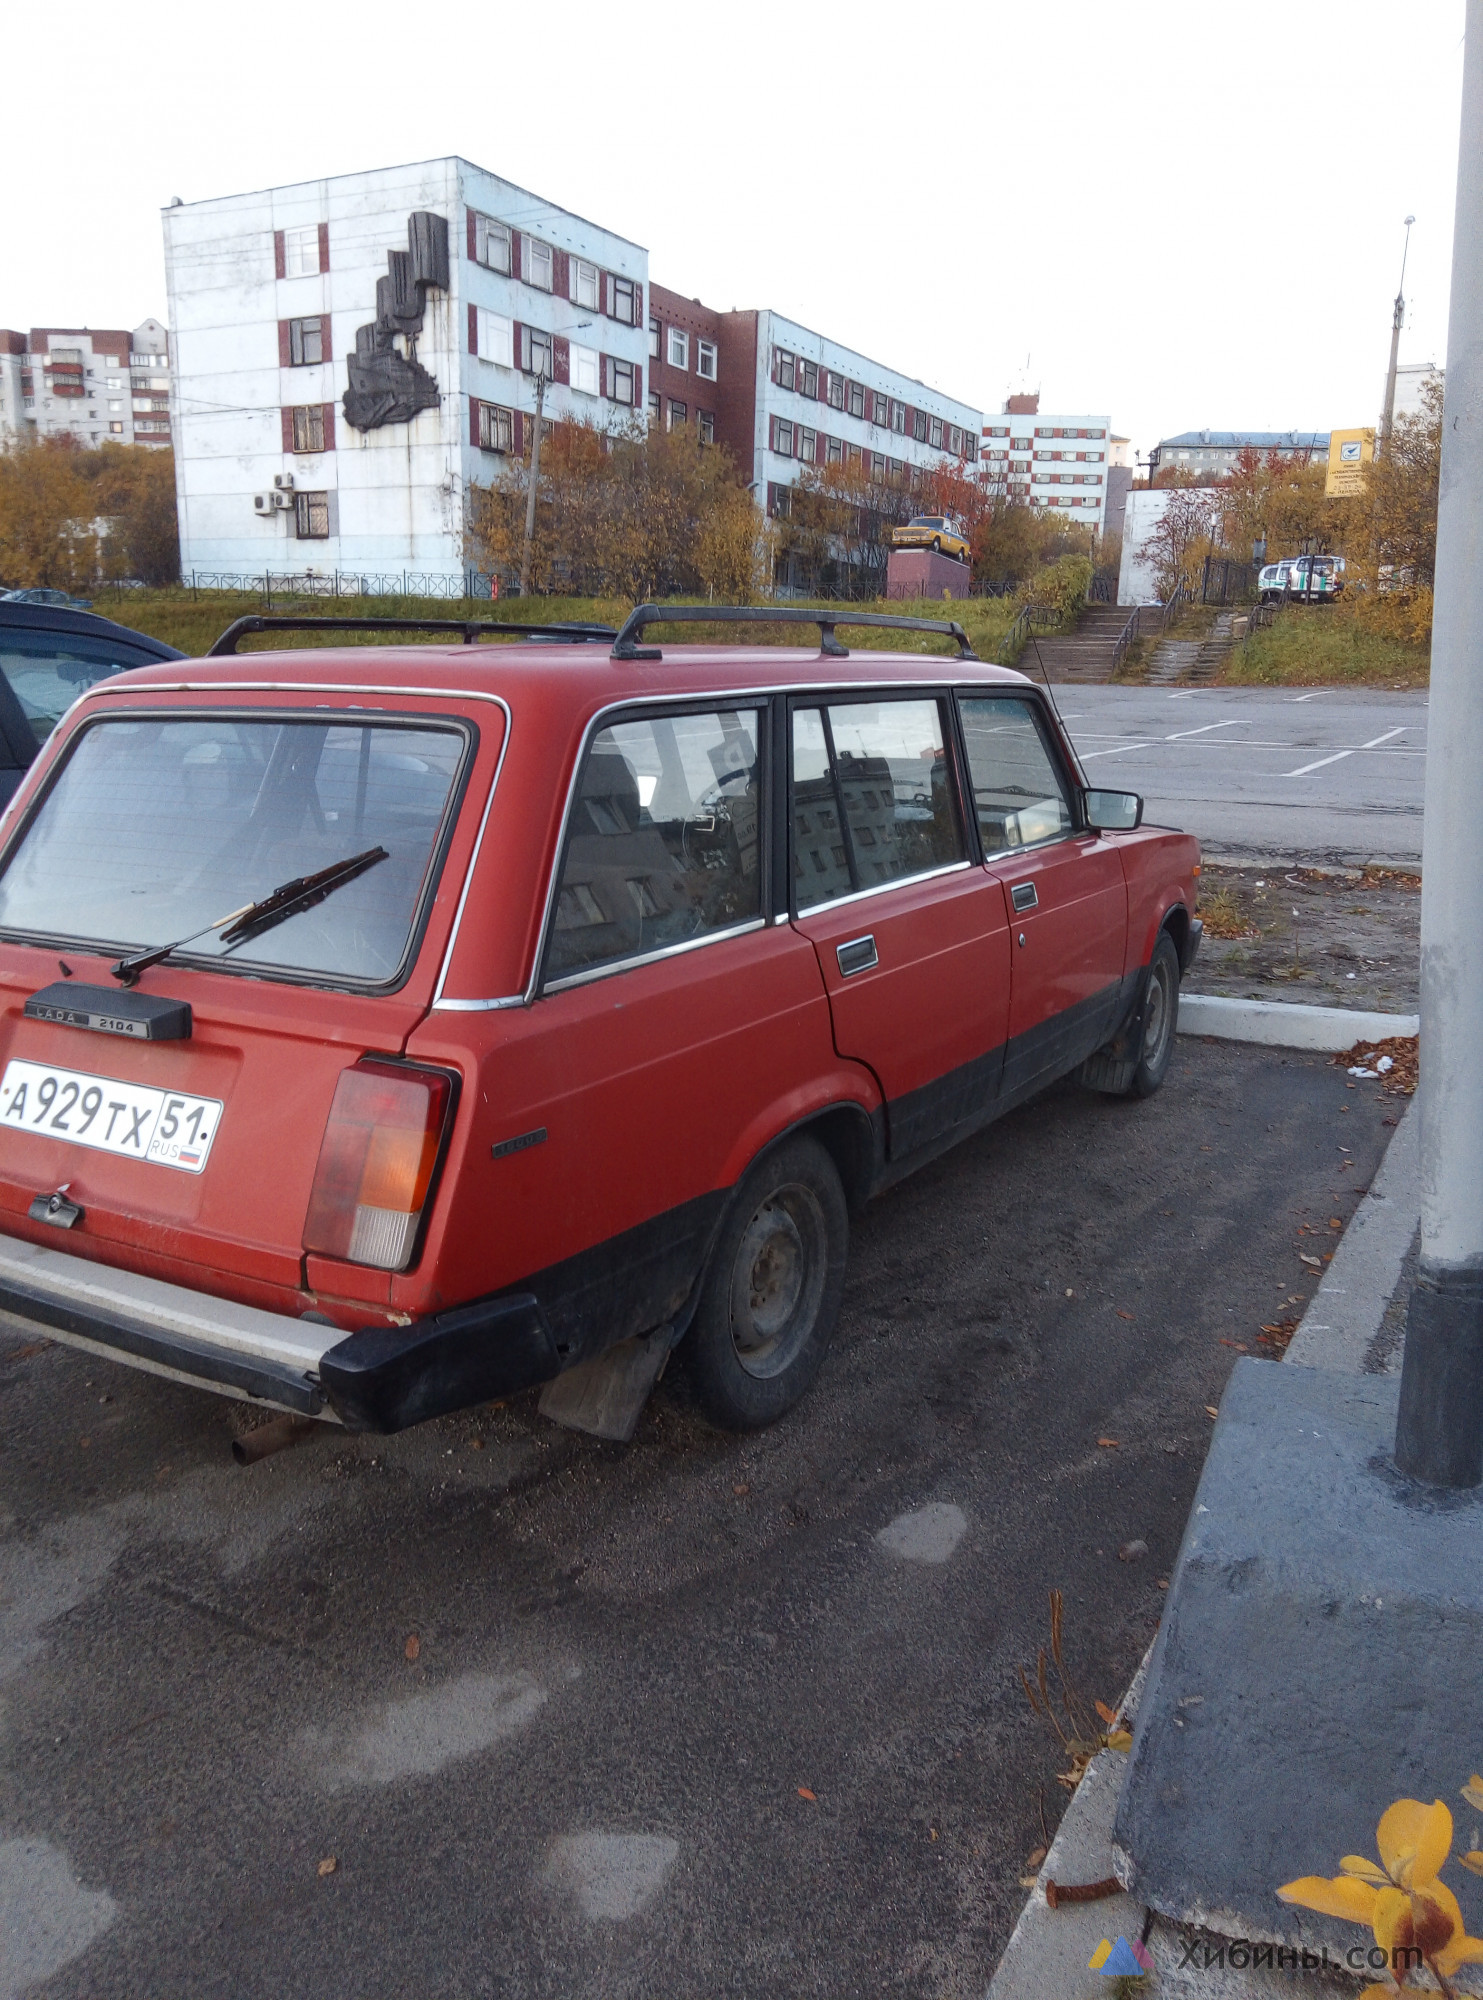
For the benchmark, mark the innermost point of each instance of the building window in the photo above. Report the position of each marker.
(707, 421)
(115, 408)
(808, 445)
(653, 338)
(312, 516)
(705, 359)
(117, 429)
(535, 351)
(879, 408)
(496, 428)
(833, 451)
(492, 244)
(677, 348)
(496, 338)
(301, 252)
(654, 406)
(955, 440)
(835, 391)
(935, 439)
(584, 284)
(996, 430)
(919, 426)
(308, 427)
(857, 399)
(677, 414)
(620, 381)
(586, 370)
(808, 378)
(785, 367)
(1040, 432)
(898, 416)
(625, 300)
(878, 465)
(538, 265)
(784, 442)
(305, 342)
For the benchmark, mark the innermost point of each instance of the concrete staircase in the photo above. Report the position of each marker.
(1082, 655)
(1192, 662)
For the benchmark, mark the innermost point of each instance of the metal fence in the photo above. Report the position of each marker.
(464, 586)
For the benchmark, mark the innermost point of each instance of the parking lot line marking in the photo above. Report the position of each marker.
(1115, 753)
(1375, 741)
(1304, 697)
(1204, 726)
(1303, 769)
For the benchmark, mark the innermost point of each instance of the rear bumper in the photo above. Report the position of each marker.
(380, 1379)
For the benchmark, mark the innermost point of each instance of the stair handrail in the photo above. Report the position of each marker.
(1129, 634)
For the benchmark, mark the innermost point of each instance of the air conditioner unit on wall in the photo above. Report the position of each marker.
(262, 503)
(283, 501)
(284, 481)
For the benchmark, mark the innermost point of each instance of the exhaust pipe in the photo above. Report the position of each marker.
(270, 1437)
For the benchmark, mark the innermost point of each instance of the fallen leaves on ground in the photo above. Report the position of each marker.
(413, 1647)
(1111, 1444)
(1124, 1315)
(1314, 1263)
(328, 1865)
(1277, 1335)
(805, 1793)
(1211, 1411)
(1405, 1055)
(1130, 1552)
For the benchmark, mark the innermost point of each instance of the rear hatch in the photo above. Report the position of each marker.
(192, 1156)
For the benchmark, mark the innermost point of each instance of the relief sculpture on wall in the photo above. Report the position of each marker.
(388, 384)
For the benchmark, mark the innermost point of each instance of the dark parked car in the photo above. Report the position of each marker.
(48, 657)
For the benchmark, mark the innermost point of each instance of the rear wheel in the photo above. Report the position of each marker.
(771, 1296)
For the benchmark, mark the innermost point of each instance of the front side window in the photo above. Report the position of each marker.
(678, 354)
(492, 244)
(156, 826)
(705, 359)
(47, 671)
(585, 282)
(662, 845)
(309, 427)
(305, 342)
(1018, 793)
(538, 265)
(872, 799)
(301, 252)
(312, 516)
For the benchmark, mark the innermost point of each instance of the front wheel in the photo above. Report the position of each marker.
(772, 1293)
(1138, 1073)
(937, 545)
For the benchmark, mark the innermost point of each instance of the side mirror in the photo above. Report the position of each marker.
(1113, 812)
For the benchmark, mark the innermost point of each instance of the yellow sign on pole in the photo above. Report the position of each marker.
(1349, 453)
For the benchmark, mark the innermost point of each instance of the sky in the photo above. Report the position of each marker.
(1185, 216)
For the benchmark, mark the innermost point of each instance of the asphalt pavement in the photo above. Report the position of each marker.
(701, 1715)
(1329, 773)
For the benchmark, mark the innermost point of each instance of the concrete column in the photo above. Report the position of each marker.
(1439, 1431)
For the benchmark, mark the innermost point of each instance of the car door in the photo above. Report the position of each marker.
(1065, 896)
(912, 941)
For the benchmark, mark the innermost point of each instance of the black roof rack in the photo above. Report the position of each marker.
(469, 629)
(626, 646)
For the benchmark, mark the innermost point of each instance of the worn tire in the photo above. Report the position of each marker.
(1140, 1075)
(772, 1290)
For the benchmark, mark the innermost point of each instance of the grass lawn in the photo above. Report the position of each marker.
(192, 623)
(1324, 646)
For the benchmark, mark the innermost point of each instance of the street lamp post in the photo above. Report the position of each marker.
(533, 485)
(1439, 1430)
(1387, 417)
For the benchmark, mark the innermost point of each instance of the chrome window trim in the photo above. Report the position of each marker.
(350, 687)
(649, 957)
(880, 888)
(478, 1006)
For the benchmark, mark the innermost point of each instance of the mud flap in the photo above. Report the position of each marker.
(605, 1396)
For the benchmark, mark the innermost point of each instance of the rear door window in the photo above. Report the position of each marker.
(662, 846)
(872, 799)
(1019, 794)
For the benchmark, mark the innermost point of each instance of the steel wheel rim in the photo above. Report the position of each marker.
(777, 1281)
(1156, 1020)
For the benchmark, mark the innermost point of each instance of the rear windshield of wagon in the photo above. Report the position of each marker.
(158, 826)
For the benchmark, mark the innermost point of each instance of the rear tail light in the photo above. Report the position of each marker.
(376, 1163)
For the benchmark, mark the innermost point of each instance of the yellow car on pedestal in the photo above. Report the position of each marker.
(939, 532)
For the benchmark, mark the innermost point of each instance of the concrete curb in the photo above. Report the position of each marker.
(1286, 1026)
(1344, 1315)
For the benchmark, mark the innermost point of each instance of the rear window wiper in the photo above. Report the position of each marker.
(302, 893)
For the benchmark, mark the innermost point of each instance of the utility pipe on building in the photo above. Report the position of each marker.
(1387, 417)
(1439, 1431)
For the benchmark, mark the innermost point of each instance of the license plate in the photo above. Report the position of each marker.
(133, 1119)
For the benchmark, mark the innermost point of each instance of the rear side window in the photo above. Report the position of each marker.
(1018, 793)
(158, 827)
(662, 842)
(49, 670)
(872, 800)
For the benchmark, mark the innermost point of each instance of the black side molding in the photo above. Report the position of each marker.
(386, 1378)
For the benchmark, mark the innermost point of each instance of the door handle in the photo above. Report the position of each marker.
(859, 955)
(1023, 896)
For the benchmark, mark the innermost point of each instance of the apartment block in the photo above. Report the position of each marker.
(98, 384)
(1212, 454)
(1057, 463)
(354, 355)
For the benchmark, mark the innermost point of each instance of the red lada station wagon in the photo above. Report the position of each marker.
(385, 1028)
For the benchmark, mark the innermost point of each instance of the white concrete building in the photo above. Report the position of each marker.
(353, 355)
(100, 384)
(1057, 463)
(1411, 379)
(1137, 582)
(818, 403)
